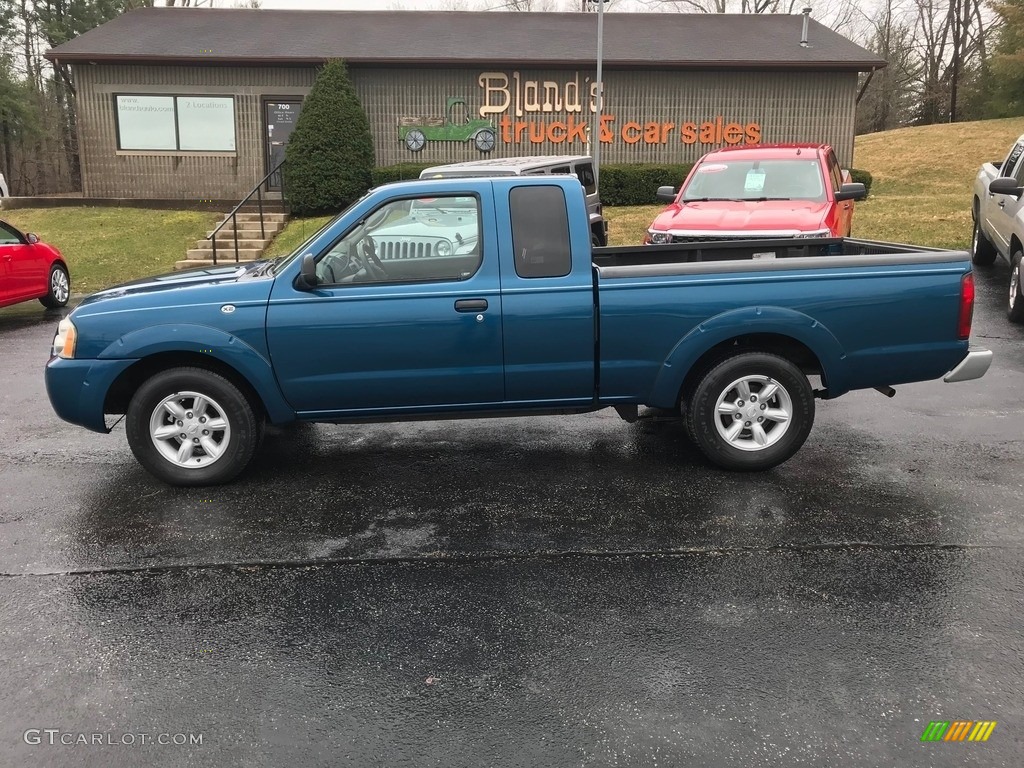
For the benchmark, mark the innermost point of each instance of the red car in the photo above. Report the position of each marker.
(31, 269)
(767, 191)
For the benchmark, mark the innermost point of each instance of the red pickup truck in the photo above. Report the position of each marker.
(769, 191)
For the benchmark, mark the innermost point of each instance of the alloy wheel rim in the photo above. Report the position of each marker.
(974, 239)
(190, 430)
(59, 285)
(753, 413)
(1014, 280)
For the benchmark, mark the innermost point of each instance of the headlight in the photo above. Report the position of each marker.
(816, 233)
(444, 248)
(64, 340)
(659, 238)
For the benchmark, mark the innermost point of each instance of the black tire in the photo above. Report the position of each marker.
(983, 253)
(484, 140)
(415, 140)
(58, 288)
(702, 416)
(595, 240)
(238, 442)
(1015, 300)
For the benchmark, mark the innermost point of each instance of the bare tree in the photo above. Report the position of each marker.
(889, 96)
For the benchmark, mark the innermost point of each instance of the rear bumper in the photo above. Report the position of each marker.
(974, 366)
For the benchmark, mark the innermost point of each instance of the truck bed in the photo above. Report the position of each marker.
(758, 250)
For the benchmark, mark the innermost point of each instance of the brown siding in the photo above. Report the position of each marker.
(108, 174)
(788, 106)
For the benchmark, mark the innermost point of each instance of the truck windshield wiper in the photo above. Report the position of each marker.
(709, 199)
(270, 267)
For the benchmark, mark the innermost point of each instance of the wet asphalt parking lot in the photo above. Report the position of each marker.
(564, 591)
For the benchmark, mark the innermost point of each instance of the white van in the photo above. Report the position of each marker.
(580, 166)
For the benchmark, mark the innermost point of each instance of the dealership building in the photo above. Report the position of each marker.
(198, 103)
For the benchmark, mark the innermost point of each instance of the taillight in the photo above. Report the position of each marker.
(966, 306)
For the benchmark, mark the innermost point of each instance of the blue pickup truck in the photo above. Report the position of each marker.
(467, 297)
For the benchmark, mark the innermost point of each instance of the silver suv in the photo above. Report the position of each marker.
(580, 166)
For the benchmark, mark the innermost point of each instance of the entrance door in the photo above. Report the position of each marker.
(280, 118)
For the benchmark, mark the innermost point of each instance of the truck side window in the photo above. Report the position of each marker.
(540, 231)
(585, 172)
(422, 240)
(1018, 174)
(1006, 169)
(835, 172)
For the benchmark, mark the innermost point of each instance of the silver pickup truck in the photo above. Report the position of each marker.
(998, 213)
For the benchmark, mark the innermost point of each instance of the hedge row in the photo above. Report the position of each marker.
(400, 172)
(637, 184)
(862, 177)
(626, 184)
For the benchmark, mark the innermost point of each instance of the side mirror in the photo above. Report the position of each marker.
(1006, 186)
(306, 279)
(32, 238)
(666, 194)
(851, 191)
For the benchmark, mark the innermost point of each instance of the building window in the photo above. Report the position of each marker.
(173, 123)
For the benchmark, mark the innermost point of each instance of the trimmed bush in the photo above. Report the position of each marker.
(388, 173)
(330, 152)
(861, 177)
(637, 184)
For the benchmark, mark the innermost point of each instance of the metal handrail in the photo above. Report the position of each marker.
(232, 217)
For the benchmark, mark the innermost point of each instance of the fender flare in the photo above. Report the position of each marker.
(219, 345)
(778, 321)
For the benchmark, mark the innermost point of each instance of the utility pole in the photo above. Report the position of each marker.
(595, 134)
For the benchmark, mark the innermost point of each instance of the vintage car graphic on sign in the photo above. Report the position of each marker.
(454, 126)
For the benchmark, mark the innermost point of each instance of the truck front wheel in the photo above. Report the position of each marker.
(1015, 306)
(751, 411)
(983, 253)
(191, 426)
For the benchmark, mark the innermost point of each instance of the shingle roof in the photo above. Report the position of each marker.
(667, 40)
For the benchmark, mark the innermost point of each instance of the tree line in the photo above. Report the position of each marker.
(948, 61)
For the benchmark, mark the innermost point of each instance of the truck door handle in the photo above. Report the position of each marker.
(471, 305)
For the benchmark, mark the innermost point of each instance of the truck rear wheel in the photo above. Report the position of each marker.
(983, 253)
(751, 411)
(191, 426)
(1015, 306)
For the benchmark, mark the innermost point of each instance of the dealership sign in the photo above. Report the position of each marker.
(550, 111)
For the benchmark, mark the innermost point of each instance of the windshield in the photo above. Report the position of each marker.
(789, 179)
(282, 261)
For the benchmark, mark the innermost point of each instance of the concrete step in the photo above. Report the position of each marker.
(244, 254)
(248, 232)
(228, 243)
(266, 216)
(189, 263)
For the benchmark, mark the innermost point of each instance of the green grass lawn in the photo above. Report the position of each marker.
(106, 246)
(921, 195)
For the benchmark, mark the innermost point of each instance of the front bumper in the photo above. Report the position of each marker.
(78, 389)
(974, 366)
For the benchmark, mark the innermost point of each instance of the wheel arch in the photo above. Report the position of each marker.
(127, 383)
(785, 332)
(161, 347)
